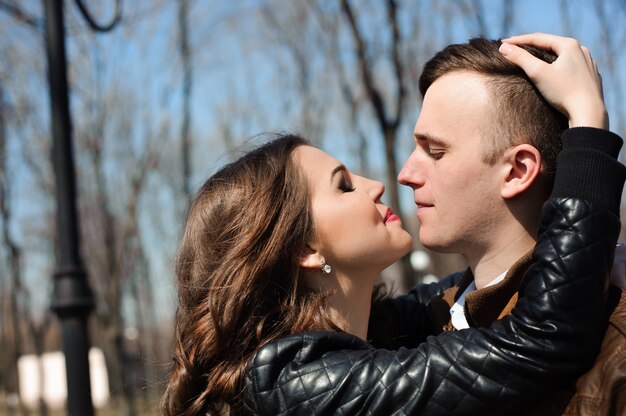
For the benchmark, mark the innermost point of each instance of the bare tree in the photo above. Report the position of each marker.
(330, 25)
(19, 14)
(388, 116)
(474, 14)
(292, 30)
(612, 47)
(28, 330)
(185, 54)
(507, 17)
(135, 265)
(13, 256)
(18, 307)
(479, 16)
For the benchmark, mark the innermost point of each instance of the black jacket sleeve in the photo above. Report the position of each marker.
(552, 335)
(404, 321)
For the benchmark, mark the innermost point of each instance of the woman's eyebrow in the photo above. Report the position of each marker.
(340, 168)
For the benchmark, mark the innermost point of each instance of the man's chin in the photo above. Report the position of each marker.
(437, 246)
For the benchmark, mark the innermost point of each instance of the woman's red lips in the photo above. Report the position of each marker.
(390, 216)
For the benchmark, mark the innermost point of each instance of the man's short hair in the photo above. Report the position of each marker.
(521, 114)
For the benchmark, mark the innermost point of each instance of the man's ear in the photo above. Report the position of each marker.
(521, 166)
(312, 259)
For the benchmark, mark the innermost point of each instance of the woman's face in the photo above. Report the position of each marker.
(353, 229)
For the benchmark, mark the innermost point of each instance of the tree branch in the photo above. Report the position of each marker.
(364, 66)
(18, 14)
(397, 61)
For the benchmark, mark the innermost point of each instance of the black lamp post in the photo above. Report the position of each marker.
(72, 299)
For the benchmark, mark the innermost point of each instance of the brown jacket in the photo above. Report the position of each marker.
(600, 391)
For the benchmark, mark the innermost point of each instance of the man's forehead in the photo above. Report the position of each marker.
(455, 104)
(459, 87)
(460, 77)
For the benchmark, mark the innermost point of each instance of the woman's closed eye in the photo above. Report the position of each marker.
(345, 185)
(341, 178)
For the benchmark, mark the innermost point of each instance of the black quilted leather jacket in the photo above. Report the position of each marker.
(552, 336)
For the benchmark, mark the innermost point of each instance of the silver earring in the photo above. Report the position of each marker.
(325, 267)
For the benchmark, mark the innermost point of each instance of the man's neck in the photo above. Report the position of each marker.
(498, 258)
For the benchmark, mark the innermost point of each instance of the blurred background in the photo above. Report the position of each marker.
(178, 88)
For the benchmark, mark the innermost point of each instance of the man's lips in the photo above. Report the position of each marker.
(421, 205)
(390, 216)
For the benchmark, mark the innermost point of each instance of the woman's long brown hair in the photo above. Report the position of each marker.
(238, 276)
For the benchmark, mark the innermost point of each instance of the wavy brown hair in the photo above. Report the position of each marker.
(238, 276)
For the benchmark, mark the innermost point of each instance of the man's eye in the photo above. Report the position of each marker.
(434, 155)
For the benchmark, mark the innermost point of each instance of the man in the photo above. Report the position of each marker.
(484, 164)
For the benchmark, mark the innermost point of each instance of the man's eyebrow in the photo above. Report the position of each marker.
(432, 140)
(340, 168)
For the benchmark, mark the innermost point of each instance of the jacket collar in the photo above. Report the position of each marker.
(483, 306)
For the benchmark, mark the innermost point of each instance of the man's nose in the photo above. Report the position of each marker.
(411, 173)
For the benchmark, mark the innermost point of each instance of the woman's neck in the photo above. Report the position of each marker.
(351, 304)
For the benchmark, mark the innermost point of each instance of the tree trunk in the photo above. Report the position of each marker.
(13, 259)
(185, 54)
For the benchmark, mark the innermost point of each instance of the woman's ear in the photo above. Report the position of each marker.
(522, 165)
(312, 259)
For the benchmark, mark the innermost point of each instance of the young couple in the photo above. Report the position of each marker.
(282, 248)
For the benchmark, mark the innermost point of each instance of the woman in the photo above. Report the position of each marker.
(276, 271)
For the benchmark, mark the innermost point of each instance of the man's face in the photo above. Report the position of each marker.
(457, 194)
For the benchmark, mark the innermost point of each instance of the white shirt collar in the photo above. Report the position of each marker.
(457, 311)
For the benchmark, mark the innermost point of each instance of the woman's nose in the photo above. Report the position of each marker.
(375, 189)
